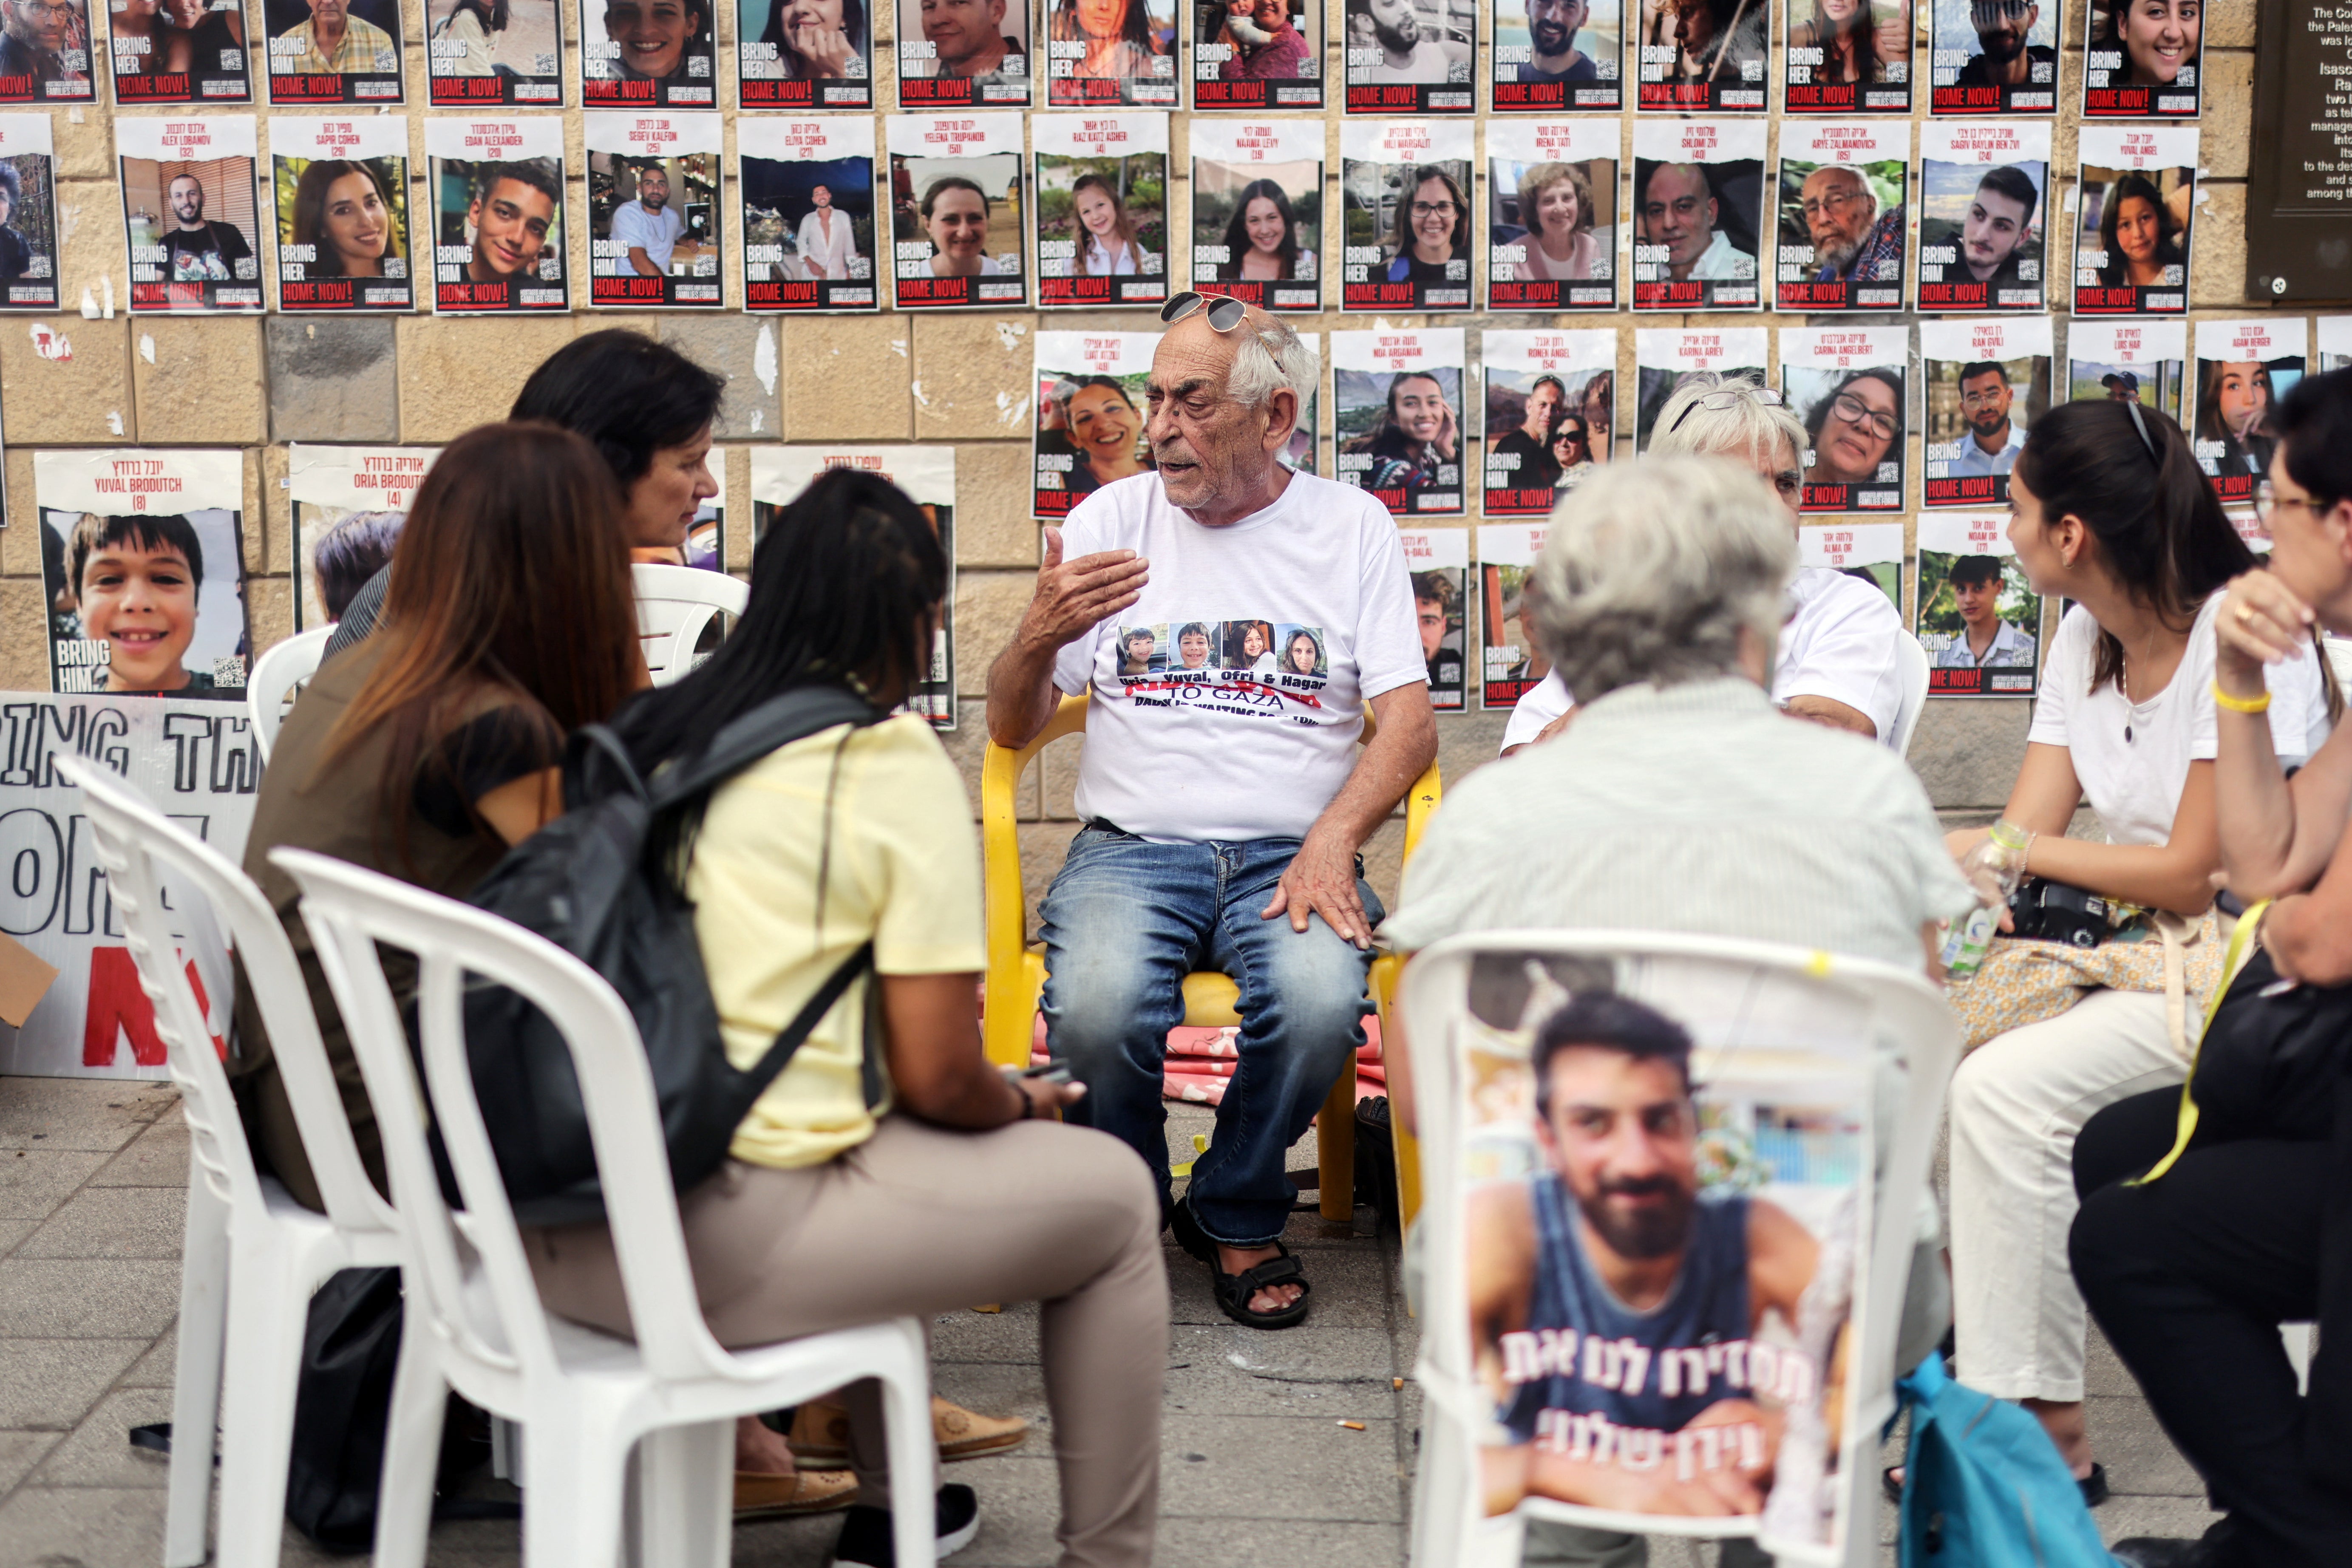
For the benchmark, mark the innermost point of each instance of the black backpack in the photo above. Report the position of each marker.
(588, 883)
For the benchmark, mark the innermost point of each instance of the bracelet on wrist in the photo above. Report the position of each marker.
(2238, 703)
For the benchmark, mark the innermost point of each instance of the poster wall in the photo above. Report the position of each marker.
(481, 54)
(803, 53)
(654, 239)
(1090, 404)
(1987, 381)
(1439, 562)
(1510, 664)
(1406, 185)
(1848, 385)
(1397, 416)
(2243, 368)
(1698, 214)
(1844, 215)
(1665, 357)
(190, 52)
(2143, 362)
(1984, 210)
(2136, 210)
(955, 205)
(1995, 57)
(648, 53)
(1558, 54)
(498, 214)
(1980, 620)
(1551, 219)
(333, 51)
(806, 184)
(1101, 189)
(349, 506)
(345, 238)
(191, 213)
(1258, 211)
(29, 215)
(1550, 402)
(1258, 55)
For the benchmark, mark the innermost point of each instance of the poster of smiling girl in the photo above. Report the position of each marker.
(2243, 368)
(1106, 52)
(1848, 57)
(1846, 384)
(1397, 400)
(1551, 214)
(647, 54)
(178, 51)
(484, 52)
(1102, 208)
(1406, 186)
(349, 504)
(2141, 58)
(1089, 433)
(808, 188)
(1258, 211)
(803, 53)
(29, 215)
(2139, 201)
(142, 570)
(955, 210)
(344, 229)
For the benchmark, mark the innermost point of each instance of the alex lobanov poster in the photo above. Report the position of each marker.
(191, 212)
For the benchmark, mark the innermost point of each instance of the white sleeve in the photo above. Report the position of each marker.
(1387, 636)
(2197, 669)
(2065, 675)
(2299, 705)
(1537, 708)
(1849, 657)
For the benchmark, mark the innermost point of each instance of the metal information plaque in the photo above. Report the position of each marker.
(2299, 195)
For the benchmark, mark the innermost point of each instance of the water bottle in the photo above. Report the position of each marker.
(1993, 868)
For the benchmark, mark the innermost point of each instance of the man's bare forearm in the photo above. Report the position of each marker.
(1020, 695)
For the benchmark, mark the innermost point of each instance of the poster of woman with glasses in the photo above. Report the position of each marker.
(1846, 384)
(1986, 384)
(1844, 218)
(1406, 185)
(1666, 357)
(1551, 218)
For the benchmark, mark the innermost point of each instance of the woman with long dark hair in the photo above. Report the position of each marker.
(1854, 43)
(1850, 432)
(816, 41)
(2139, 234)
(1262, 237)
(1416, 432)
(2233, 416)
(1120, 43)
(343, 212)
(1432, 226)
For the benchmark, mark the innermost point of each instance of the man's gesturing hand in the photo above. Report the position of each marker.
(1073, 597)
(1321, 880)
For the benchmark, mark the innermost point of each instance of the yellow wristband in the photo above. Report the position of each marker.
(2240, 705)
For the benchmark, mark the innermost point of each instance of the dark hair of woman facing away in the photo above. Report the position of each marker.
(2314, 421)
(627, 395)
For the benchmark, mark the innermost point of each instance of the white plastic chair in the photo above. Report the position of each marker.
(674, 605)
(1912, 659)
(253, 1255)
(582, 1398)
(1885, 1004)
(270, 689)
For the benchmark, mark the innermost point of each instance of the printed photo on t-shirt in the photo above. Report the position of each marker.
(1980, 619)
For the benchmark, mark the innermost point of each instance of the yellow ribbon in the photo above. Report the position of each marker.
(2242, 944)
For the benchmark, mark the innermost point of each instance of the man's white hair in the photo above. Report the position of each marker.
(1651, 568)
(1267, 357)
(1751, 427)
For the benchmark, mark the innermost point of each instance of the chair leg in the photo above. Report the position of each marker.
(571, 1515)
(412, 1451)
(914, 1455)
(268, 1301)
(1335, 1147)
(686, 1478)
(196, 1382)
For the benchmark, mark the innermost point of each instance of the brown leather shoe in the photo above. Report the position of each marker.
(819, 1434)
(761, 1494)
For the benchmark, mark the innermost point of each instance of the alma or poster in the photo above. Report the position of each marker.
(1405, 187)
(1699, 215)
(2127, 360)
(1398, 415)
(1102, 208)
(1551, 214)
(955, 210)
(29, 215)
(346, 235)
(1844, 215)
(1665, 356)
(1984, 216)
(1550, 413)
(498, 214)
(1873, 551)
(2243, 368)
(1987, 381)
(1258, 211)
(1847, 384)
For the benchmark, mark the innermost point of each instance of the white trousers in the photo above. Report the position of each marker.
(2017, 1101)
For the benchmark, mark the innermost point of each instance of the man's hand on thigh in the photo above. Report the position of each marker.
(1321, 880)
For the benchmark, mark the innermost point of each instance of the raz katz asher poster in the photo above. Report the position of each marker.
(45, 55)
(498, 214)
(1995, 57)
(1855, 63)
(2141, 58)
(1397, 412)
(805, 53)
(648, 53)
(1405, 186)
(1106, 53)
(1550, 403)
(807, 184)
(486, 54)
(1511, 666)
(1980, 619)
(346, 236)
(926, 474)
(1552, 215)
(2129, 362)
(1984, 216)
(142, 571)
(1985, 382)
(191, 211)
(1844, 215)
(1665, 356)
(1559, 54)
(654, 228)
(963, 54)
(1089, 394)
(955, 210)
(1411, 56)
(1698, 214)
(349, 506)
(2332, 337)
(1258, 211)
(1101, 208)
(1848, 385)
(1258, 55)
(1438, 560)
(2243, 368)
(1871, 551)
(29, 215)
(2137, 204)
(1701, 57)
(332, 51)
(176, 51)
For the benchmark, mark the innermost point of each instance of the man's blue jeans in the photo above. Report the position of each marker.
(1124, 923)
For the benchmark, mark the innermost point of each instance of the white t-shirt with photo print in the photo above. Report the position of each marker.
(1227, 755)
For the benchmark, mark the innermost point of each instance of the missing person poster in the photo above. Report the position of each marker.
(2243, 368)
(1666, 357)
(1397, 402)
(1855, 63)
(803, 53)
(349, 504)
(1558, 54)
(1700, 57)
(1844, 215)
(955, 209)
(926, 474)
(1551, 404)
(1439, 562)
(1089, 415)
(1110, 52)
(1846, 383)
(1405, 57)
(1511, 664)
(807, 183)
(963, 54)
(344, 231)
(1987, 381)
(191, 207)
(1102, 208)
(1551, 215)
(1298, 453)
(1995, 57)
(333, 51)
(1405, 184)
(2332, 336)
(142, 571)
(29, 215)
(481, 54)
(174, 51)
(2127, 362)
(648, 53)
(1984, 215)
(654, 241)
(1257, 54)
(2141, 58)
(498, 214)
(2139, 201)
(45, 55)
(1873, 552)
(1980, 620)
(1698, 211)
(1258, 211)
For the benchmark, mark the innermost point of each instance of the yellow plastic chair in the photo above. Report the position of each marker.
(1016, 967)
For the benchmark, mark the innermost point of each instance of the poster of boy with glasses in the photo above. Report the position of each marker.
(1846, 383)
(1995, 57)
(1987, 381)
(1844, 218)
(45, 53)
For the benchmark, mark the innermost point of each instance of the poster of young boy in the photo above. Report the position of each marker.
(1847, 384)
(1551, 214)
(2137, 209)
(955, 211)
(647, 54)
(803, 53)
(1258, 55)
(2127, 362)
(1698, 214)
(1551, 404)
(1857, 63)
(498, 214)
(963, 54)
(176, 51)
(29, 215)
(2243, 368)
(1984, 206)
(142, 570)
(333, 51)
(1405, 185)
(349, 504)
(1995, 57)
(926, 474)
(1407, 57)
(1558, 54)
(2141, 58)
(344, 232)
(1700, 57)
(654, 240)
(1844, 215)
(1439, 562)
(1258, 211)
(1107, 54)
(1987, 382)
(45, 57)
(1511, 666)
(1089, 429)
(1978, 619)
(1872, 551)
(1101, 207)
(481, 53)
(191, 209)
(1665, 356)
(807, 183)
(1397, 408)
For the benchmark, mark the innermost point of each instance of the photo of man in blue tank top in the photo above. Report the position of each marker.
(1616, 1307)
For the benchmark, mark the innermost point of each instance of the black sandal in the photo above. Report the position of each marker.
(1232, 1291)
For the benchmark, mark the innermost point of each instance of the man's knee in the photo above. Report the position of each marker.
(2107, 1241)
(1315, 981)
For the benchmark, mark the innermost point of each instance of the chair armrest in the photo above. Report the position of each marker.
(1006, 1025)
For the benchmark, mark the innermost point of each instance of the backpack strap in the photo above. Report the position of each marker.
(781, 720)
(760, 1074)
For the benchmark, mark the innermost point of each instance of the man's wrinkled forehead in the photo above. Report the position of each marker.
(1192, 356)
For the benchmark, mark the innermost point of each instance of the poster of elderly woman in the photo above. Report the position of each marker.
(342, 214)
(1550, 405)
(1258, 211)
(2243, 368)
(1846, 384)
(29, 215)
(1551, 214)
(1848, 57)
(806, 184)
(178, 51)
(2141, 58)
(803, 53)
(1089, 432)
(1406, 188)
(1101, 188)
(2138, 186)
(647, 54)
(1107, 52)
(1398, 410)
(1844, 220)
(955, 210)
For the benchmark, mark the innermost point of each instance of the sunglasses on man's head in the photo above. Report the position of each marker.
(1225, 312)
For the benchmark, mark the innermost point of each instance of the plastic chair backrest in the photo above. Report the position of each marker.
(674, 605)
(350, 910)
(1912, 659)
(278, 671)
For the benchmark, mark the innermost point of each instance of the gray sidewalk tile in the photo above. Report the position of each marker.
(34, 1181)
(1243, 1467)
(155, 1369)
(1233, 1371)
(1009, 1335)
(158, 1158)
(88, 1298)
(90, 1115)
(49, 1385)
(98, 1452)
(1186, 1542)
(19, 1452)
(2140, 1459)
(14, 1231)
(51, 1526)
(114, 1222)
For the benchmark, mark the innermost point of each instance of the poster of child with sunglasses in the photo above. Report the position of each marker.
(1995, 57)
(1844, 217)
(1986, 384)
(1089, 394)
(1101, 188)
(1558, 54)
(2137, 207)
(2243, 368)
(1848, 57)
(2141, 58)
(1846, 383)
(1666, 357)
(1397, 408)
(29, 215)
(1551, 406)
(1698, 214)
(1984, 216)
(1872, 552)
(1258, 211)
(2129, 362)
(1980, 619)
(1406, 186)
(177, 51)
(955, 210)
(1551, 218)
(647, 54)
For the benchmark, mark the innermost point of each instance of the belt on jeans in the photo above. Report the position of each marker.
(1108, 826)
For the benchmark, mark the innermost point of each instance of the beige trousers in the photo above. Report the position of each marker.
(918, 1220)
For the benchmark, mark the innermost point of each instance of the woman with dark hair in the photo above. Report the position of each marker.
(1570, 445)
(469, 26)
(1303, 654)
(342, 212)
(1120, 43)
(816, 41)
(837, 1207)
(353, 549)
(1416, 433)
(1850, 432)
(172, 37)
(1262, 237)
(1103, 427)
(955, 213)
(1249, 645)
(2139, 234)
(1432, 227)
(2157, 37)
(654, 39)
(2233, 416)
(1855, 44)
(1111, 249)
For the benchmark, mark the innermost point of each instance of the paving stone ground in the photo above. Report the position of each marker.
(1256, 1467)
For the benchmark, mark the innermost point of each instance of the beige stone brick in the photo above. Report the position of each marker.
(249, 541)
(737, 480)
(94, 262)
(20, 543)
(201, 382)
(2216, 263)
(2225, 129)
(993, 525)
(82, 135)
(844, 377)
(83, 401)
(987, 606)
(2229, 25)
(1967, 753)
(972, 377)
(24, 643)
(271, 542)
(729, 345)
(457, 371)
(268, 612)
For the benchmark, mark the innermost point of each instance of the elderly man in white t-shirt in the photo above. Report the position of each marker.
(1224, 806)
(1836, 655)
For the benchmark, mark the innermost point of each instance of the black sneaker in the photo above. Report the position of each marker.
(866, 1531)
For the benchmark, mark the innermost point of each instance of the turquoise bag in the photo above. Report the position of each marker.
(1983, 1488)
